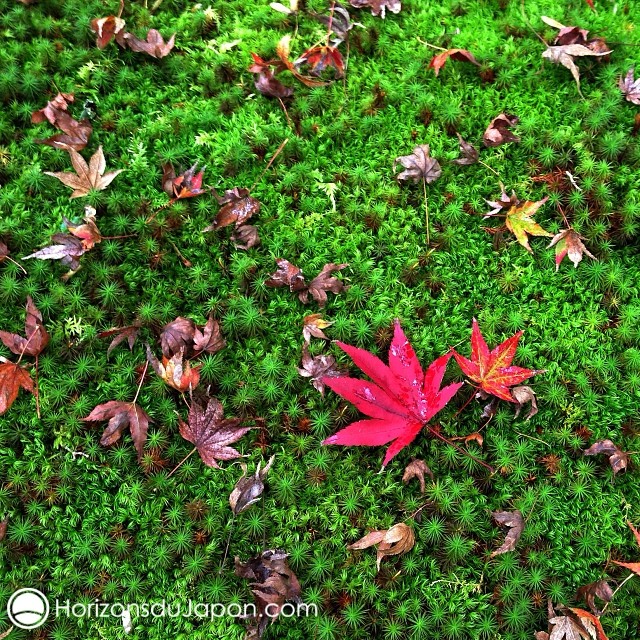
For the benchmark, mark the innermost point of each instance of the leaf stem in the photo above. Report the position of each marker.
(271, 161)
(226, 548)
(616, 591)
(182, 461)
(462, 451)
(426, 208)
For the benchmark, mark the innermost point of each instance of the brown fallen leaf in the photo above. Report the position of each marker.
(515, 522)
(3, 528)
(120, 416)
(498, 132)
(390, 542)
(313, 325)
(417, 469)
(569, 243)
(87, 176)
(186, 185)
(474, 437)
(378, 7)
(245, 237)
(287, 275)
(522, 395)
(504, 203)
(4, 251)
(573, 624)
(574, 35)
(12, 377)
(630, 88)
(266, 82)
(176, 373)
(589, 592)
(208, 339)
(128, 333)
(154, 45)
(470, 154)
(419, 165)
(211, 433)
(283, 50)
(36, 339)
(438, 61)
(106, 29)
(318, 367)
(75, 135)
(338, 21)
(248, 489)
(618, 459)
(565, 55)
(272, 583)
(633, 566)
(177, 336)
(238, 207)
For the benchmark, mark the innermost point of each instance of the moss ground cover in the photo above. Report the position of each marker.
(100, 525)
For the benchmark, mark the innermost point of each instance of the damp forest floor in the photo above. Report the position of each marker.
(87, 521)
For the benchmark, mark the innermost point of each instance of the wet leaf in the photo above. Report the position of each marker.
(390, 542)
(590, 592)
(176, 373)
(36, 339)
(238, 207)
(12, 377)
(514, 521)
(419, 165)
(522, 395)
(248, 489)
(565, 55)
(75, 135)
(266, 82)
(498, 132)
(128, 333)
(630, 88)
(177, 336)
(438, 61)
(417, 469)
(317, 368)
(283, 49)
(321, 58)
(245, 237)
(569, 243)
(209, 339)
(618, 459)
(186, 185)
(470, 154)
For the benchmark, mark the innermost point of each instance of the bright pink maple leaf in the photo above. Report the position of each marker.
(400, 400)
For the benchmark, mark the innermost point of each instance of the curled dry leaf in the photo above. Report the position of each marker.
(36, 339)
(321, 58)
(248, 489)
(569, 243)
(283, 49)
(287, 275)
(12, 377)
(128, 333)
(272, 584)
(498, 132)
(472, 437)
(438, 61)
(618, 459)
(378, 7)
(339, 21)
(470, 154)
(590, 592)
(390, 542)
(515, 522)
(120, 416)
(574, 624)
(87, 176)
(238, 207)
(187, 185)
(633, 566)
(565, 55)
(318, 368)
(313, 325)
(630, 88)
(419, 165)
(75, 135)
(106, 29)
(504, 203)
(176, 373)
(209, 339)
(153, 46)
(417, 469)
(522, 395)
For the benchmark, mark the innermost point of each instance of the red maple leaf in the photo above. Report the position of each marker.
(492, 370)
(400, 400)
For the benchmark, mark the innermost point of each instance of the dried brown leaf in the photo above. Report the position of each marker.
(439, 60)
(174, 371)
(154, 45)
(515, 522)
(378, 7)
(630, 88)
(498, 132)
(589, 592)
(417, 469)
(209, 339)
(318, 367)
(248, 489)
(565, 55)
(313, 326)
(569, 243)
(419, 165)
(390, 542)
(470, 154)
(618, 459)
(177, 336)
(522, 395)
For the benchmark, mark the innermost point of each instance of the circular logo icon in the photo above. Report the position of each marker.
(28, 608)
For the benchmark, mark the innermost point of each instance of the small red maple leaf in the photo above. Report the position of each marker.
(400, 400)
(492, 370)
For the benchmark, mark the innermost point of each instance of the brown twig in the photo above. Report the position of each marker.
(271, 161)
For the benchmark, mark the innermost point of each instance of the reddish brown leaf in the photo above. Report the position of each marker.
(154, 45)
(593, 590)
(438, 61)
(472, 437)
(504, 203)
(569, 243)
(390, 542)
(324, 282)
(498, 132)
(209, 339)
(266, 82)
(75, 135)
(522, 395)
(630, 88)
(37, 337)
(128, 333)
(211, 433)
(245, 237)
(339, 21)
(618, 459)
(4, 251)
(177, 336)
(323, 57)
(515, 522)
(287, 275)
(106, 29)
(283, 49)
(417, 469)
(237, 208)
(470, 154)
(313, 326)
(176, 373)
(317, 368)
(120, 416)
(378, 7)
(419, 165)
(12, 377)
(565, 55)
(187, 185)
(3, 528)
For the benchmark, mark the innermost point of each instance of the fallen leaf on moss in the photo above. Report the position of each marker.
(283, 49)
(313, 325)
(208, 339)
(176, 373)
(521, 223)
(248, 489)
(565, 55)
(575, 624)
(128, 333)
(522, 395)
(593, 590)
(86, 176)
(630, 88)
(3, 528)
(106, 29)
(317, 368)
(569, 243)
(378, 7)
(438, 61)
(417, 469)
(633, 566)
(321, 58)
(177, 336)
(470, 154)
(153, 46)
(120, 416)
(186, 185)
(498, 132)
(75, 135)
(504, 203)
(338, 21)
(514, 521)
(12, 377)
(238, 207)
(618, 459)
(390, 542)
(245, 237)
(419, 165)
(266, 82)
(36, 339)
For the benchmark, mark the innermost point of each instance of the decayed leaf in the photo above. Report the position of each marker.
(12, 377)
(154, 45)
(630, 88)
(36, 339)
(590, 592)
(400, 400)
(176, 373)
(266, 82)
(187, 185)
(504, 203)
(492, 370)
(419, 165)
(438, 61)
(565, 55)
(633, 566)
(248, 489)
(322, 57)
(522, 395)
(313, 326)
(87, 176)
(417, 469)
(177, 336)
(317, 368)
(75, 135)
(378, 7)
(390, 542)
(521, 223)
(569, 243)
(515, 522)
(618, 459)
(287, 275)
(272, 584)
(283, 49)
(106, 29)
(245, 237)
(128, 333)
(574, 35)
(498, 132)
(209, 339)
(211, 433)
(120, 416)
(472, 437)
(574, 624)
(238, 207)
(470, 154)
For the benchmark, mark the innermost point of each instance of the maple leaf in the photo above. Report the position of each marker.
(211, 433)
(575, 624)
(515, 522)
(618, 459)
(390, 542)
(630, 88)
(498, 132)
(177, 336)
(438, 61)
(313, 326)
(419, 165)
(187, 185)
(322, 57)
(154, 45)
(492, 370)
(87, 176)
(378, 7)
(249, 488)
(521, 223)
(120, 416)
(208, 339)
(106, 29)
(504, 203)
(569, 243)
(417, 469)
(317, 368)
(283, 49)
(37, 337)
(565, 55)
(400, 400)
(633, 566)
(590, 592)
(128, 333)
(176, 373)
(12, 377)
(470, 154)
(266, 82)
(237, 208)
(75, 135)
(522, 395)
